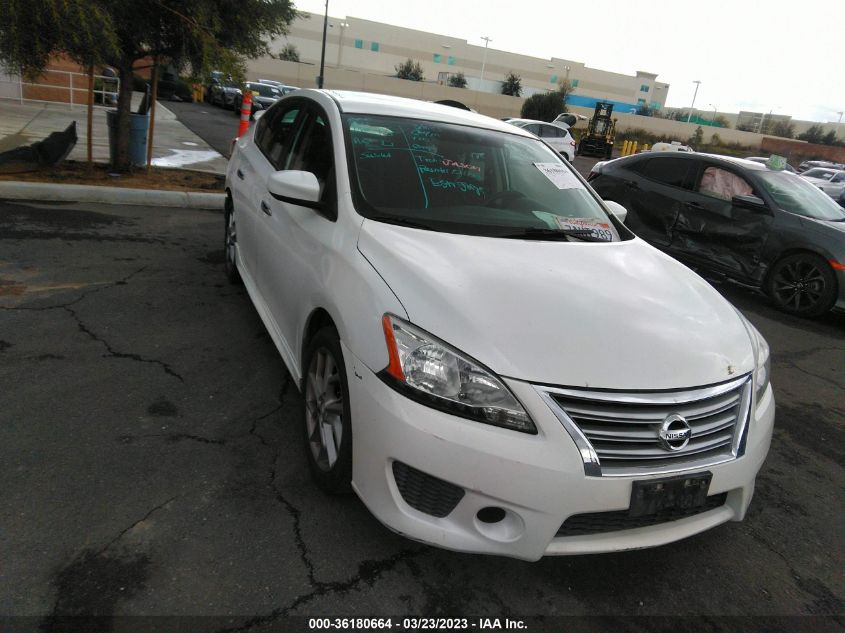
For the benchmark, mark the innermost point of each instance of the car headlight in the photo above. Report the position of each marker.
(763, 369)
(430, 371)
(762, 364)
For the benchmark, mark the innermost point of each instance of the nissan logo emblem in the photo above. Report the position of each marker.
(675, 432)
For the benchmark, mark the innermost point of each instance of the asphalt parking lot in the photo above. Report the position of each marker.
(152, 464)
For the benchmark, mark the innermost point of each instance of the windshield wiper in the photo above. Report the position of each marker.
(391, 219)
(553, 234)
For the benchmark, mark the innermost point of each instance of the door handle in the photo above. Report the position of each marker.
(240, 174)
(695, 205)
(266, 208)
(631, 184)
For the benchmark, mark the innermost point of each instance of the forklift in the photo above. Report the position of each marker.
(597, 139)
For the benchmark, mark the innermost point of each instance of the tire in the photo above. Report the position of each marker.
(230, 243)
(326, 415)
(802, 284)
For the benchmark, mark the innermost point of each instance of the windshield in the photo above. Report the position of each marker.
(819, 172)
(264, 91)
(459, 179)
(796, 195)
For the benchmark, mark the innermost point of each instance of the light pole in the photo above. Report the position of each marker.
(323, 52)
(487, 41)
(713, 120)
(840, 117)
(694, 95)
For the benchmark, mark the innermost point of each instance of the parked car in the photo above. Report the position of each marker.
(557, 135)
(831, 181)
(284, 88)
(810, 164)
(488, 357)
(765, 159)
(673, 146)
(263, 96)
(738, 219)
(224, 93)
(819, 175)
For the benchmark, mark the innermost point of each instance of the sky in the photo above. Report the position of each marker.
(782, 56)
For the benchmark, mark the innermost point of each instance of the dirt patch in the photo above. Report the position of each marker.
(75, 173)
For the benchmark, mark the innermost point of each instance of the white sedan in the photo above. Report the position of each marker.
(488, 357)
(557, 135)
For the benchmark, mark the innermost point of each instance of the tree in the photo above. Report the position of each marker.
(458, 81)
(289, 53)
(830, 138)
(411, 70)
(696, 139)
(644, 110)
(202, 34)
(721, 121)
(512, 85)
(546, 106)
(784, 129)
(814, 134)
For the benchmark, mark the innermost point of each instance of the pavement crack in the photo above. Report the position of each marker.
(172, 438)
(120, 282)
(139, 521)
(368, 571)
(113, 353)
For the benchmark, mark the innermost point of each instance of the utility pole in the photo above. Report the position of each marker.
(713, 120)
(694, 95)
(323, 53)
(487, 41)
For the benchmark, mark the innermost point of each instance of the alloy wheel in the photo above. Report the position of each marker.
(324, 409)
(799, 285)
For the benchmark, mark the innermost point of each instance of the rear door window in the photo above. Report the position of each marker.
(674, 172)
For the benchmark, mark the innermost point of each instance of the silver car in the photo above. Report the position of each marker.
(831, 181)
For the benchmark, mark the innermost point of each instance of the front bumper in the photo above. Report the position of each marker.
(538, 480)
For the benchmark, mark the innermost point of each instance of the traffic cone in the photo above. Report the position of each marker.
(246, 111)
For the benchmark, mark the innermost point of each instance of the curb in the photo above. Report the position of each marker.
(14, 190)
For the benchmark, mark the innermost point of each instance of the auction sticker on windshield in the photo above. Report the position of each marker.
(559, 175)
(600, 230)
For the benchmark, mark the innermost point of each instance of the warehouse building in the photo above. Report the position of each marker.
(363, 46)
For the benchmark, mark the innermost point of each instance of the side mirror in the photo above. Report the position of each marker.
(617, 209)
(749, 202)
(295, 187)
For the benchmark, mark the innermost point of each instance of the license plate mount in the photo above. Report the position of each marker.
(682, 492)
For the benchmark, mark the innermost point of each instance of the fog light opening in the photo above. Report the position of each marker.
(490, 514)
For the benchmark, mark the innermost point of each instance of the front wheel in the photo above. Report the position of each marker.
(230, 244)
(802, 284)
(327, 425)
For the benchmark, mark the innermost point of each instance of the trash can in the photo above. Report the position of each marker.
(139, 125)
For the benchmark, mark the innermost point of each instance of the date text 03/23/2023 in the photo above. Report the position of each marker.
(414, 624)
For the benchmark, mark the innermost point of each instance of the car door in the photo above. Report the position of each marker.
(654, 191)
(714, 232)
(293, 237)
(271, 144)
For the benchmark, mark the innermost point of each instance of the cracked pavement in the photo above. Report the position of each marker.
(152, 461)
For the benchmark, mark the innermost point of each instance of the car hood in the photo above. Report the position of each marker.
(618, 316)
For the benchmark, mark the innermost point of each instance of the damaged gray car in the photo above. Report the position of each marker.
(735, 219)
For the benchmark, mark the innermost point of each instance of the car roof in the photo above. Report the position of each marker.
(739, 162)
(386, 105)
